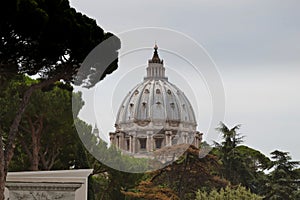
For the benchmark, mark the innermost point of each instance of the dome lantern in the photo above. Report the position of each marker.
(155, 69)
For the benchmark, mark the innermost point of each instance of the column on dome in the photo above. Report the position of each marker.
(185, 137)
(135, 144)
(132, 142)
(168, 136)
(112, 138)
(149, 145)
(119, 138)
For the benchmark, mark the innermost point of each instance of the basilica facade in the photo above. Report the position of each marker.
(155, 114)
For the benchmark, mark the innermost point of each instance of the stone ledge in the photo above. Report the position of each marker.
(40, 186)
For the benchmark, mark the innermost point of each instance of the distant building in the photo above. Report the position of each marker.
(154, 114)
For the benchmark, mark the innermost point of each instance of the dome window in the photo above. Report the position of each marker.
(131, 104)
(144, 103)
(157, 91)
(136, 92)
(147, 91)
(172, 105)
(169, 91)
(158, 103)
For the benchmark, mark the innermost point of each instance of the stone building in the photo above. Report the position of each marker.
(154, 114)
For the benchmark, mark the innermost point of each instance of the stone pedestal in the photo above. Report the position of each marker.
(42, 191)
(44, 185)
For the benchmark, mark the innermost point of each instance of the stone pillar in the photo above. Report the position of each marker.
(130, 143)
(121, 140)
(149, 141)
(184, 137)
(168, 138)
(112, 138)
(118, 141)
(134, 150)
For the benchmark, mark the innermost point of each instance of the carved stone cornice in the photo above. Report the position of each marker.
(43, 186)
(42, 190)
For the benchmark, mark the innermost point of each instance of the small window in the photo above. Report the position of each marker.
(143, 143)
(144, 103)
(172, 105)
(127, 145)
(146, 91)
(169, 91)
(158, 143)
(136, 92)
(157, 91)
(131, 104)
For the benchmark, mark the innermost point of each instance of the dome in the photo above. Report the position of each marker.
(156, 101)
(154, 114)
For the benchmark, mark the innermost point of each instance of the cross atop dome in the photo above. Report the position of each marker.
(155, 58)
(155, 69)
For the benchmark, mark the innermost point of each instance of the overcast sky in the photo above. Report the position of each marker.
(254, 44)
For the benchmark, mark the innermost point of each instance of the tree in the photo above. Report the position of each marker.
(8, 99)
(227, 151)
(182, 177)
(148, 191)
(241, 164)
(51, 39)
(251, 172)
(47, 126)
(284, 181)
(228, 193)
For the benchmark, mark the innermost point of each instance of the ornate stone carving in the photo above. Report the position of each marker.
(41, 191)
